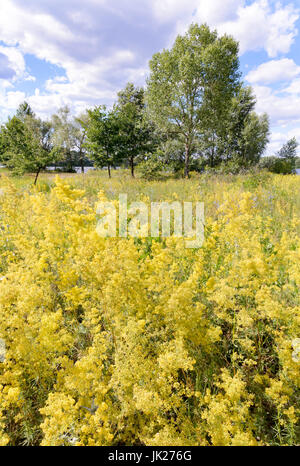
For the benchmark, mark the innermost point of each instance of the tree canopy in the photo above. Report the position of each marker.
(191, 85)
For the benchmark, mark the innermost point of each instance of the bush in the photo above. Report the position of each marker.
(230, 167)
(277, 165)
(151, 168)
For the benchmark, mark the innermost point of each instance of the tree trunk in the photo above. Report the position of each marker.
(109, 173)
(36, 176)
(187, 161)
(212, 154)
(212, 158)
(132, 167)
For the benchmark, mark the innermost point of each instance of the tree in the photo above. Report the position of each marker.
(151, 168)
(172, 154)
(25, 147)
(240, 136)
(103, 136)
(289, 152)
(80, 136)
(276, 165)
(247, 133)
(24, 110)
(196, 77)
(221, 140)
(63, 137)
(136, 132)
(3, 143)
(254, 139)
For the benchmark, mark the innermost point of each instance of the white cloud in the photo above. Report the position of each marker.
(274, 71)
(28, 77)
(258, 26)
(78, 41)
(262, 25)
(84, 87)
(6, 71)
(279, 106)
(170, 10)
(10, 101)
(15, 59)
(294, 87)
(280, 137)
(211, 12)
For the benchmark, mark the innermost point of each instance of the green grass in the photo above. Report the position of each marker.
(278, 195)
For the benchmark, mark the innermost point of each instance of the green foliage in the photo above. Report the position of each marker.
(191, 85)
(80, 125)
(288, 152)
(254, 139)
(151, 168)
(289, 149)
(230, 167)
(63, 137)
(103, 136)
(247, 132)
(24, 110)
(277, 165)
(241, 136)
(3, 144)
(136, 135)
(25, 143)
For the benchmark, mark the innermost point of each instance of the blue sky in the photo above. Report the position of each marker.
(56, 52)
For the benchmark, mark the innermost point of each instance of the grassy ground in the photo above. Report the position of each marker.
(272, 190)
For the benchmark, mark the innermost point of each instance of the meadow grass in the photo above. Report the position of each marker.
(278, 196)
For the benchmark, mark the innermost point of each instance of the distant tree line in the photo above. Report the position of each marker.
(195, 113)
(285, 161)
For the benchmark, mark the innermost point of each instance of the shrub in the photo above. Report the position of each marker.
(277, 165)
(151, 168)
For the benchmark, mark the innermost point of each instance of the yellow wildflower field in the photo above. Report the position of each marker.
(116, 341)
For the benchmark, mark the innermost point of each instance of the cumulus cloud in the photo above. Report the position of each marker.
(13, 59)
(279, 106)
(100, 46)
(283, 110)
(294, 87)
(9, 100)
(12, 69)
(6, 71)
(274, 71)
(278, 138)
(261, 25)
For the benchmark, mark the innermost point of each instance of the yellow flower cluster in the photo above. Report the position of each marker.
(116, 341)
